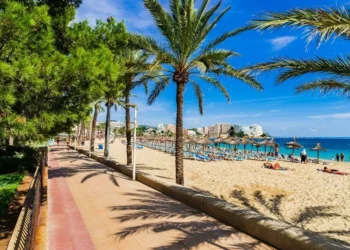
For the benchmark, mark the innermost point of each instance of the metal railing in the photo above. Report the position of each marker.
(23, 237)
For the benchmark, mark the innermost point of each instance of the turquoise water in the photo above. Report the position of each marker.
(333, 146)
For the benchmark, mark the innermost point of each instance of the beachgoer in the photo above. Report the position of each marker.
(332, 158)
(58, 141)
(334, 171)
(303, 156)
(342, 156)
(337, 157)
(277, 149)
(291, 157)
(275, 166)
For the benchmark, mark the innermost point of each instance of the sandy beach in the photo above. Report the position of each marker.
(303, 197)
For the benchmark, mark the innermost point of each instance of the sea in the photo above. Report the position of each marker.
(333, 146)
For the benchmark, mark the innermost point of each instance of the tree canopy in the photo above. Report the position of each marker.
(46, 89)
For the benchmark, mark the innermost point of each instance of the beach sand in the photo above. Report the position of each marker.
(303, 197)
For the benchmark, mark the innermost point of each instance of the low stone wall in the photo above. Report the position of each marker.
(276, 233)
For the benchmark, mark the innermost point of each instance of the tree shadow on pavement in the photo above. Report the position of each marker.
(92, 170)
(159, 214)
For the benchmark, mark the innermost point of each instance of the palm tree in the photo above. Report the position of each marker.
(97, 109)
(321, 24)
(186, 58)
(139, 71)
(111, 100)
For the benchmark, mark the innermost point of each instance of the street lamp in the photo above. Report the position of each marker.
(134, 153)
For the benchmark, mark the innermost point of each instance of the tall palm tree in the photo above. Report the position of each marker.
(186, 58)
(97, 109)
(321, 24)
(112, 100)
(139, 70)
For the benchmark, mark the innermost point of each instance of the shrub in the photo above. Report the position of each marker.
(8, 187)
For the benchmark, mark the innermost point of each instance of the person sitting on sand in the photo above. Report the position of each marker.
(333, 171)
(291, 157)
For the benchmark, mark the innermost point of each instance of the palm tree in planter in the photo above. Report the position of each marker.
(321, 24)
(138, 71)
(97, 109)
(186, 59)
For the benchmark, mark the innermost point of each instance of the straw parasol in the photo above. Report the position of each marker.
(293, 144)
(245, 141)
(204, 141)
(318, 148)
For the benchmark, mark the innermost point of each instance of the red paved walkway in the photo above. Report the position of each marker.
(93, 207)
(66, 228)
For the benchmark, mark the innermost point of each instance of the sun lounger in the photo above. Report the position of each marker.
(201, 158)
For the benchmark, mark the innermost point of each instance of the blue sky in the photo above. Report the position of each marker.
(277, 108)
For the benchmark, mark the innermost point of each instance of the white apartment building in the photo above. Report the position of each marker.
(170, 127)
(256, 130)
(205, 130)
(200, 131)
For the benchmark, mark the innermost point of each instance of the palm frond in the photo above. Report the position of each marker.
(213, 58)
(216, 84)
(199, 95)
(326, 86)
(223, 38)
(150, 45)
(238, 74)
(321, 23)
(294, 68)
(159, 88)
(163, 20)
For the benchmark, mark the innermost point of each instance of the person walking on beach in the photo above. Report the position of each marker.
(303, 156)
(337, 157)
(342, 156)
(277, 149)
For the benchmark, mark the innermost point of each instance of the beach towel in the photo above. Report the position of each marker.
(333, 172)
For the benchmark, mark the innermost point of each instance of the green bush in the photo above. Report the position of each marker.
(18, 159)
(8, 187)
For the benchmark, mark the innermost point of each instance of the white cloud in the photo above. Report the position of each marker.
(332, 116)
(281, 42)
(132, 12)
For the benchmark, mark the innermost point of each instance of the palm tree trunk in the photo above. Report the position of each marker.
(93, 129)
(179, 134)
(108, 119)
(128, 129)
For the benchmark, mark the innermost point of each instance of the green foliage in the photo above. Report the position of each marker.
(232, 132)
(17, 159)
(52, 72)
(8, 187)
(240, 134)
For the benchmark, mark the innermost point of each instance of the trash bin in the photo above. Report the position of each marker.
(100, 146)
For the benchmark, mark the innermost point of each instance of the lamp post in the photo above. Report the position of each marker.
(134, 153)
(90, 138)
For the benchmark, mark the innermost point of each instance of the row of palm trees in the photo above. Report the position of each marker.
(186, 58)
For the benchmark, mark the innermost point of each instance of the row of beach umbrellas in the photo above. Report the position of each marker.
(295, 145)
(245, 141)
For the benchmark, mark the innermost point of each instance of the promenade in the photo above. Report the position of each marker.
(92, 206)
